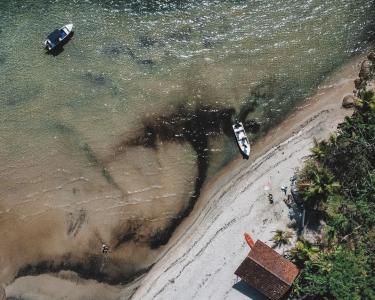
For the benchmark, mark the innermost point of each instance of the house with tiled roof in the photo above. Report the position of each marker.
(267, 271)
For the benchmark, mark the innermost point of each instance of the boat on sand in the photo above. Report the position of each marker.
(242, 140)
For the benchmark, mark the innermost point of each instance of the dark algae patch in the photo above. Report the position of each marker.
(94, 161)
(98, 79)
(22, 96)
(90, 267)
(186, 126)
(89, 154)
(75, 221)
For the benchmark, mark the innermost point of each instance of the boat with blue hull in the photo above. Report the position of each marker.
(58, 37)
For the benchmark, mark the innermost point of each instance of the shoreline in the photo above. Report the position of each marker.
(274, 158)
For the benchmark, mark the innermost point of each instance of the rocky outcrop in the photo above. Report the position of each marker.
(349, 101)
(365, 80)
(371, 56)
(359, 84)
(365, 72)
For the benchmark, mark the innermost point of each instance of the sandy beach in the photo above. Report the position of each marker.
(209, 245)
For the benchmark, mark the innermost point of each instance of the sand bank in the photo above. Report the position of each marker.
(207, 248)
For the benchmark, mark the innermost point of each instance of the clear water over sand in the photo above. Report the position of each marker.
(110, 140)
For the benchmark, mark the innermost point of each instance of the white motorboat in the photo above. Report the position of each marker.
(58, 37)
(242, 140)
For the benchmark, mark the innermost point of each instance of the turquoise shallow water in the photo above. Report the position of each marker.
(128, 121)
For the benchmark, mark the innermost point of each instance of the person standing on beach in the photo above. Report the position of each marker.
(105, 249)
(284, 188)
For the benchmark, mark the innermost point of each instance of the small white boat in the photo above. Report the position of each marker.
(242, 141)
(58, 36)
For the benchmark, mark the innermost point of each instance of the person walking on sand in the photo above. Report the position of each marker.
(267, 189)
(270, 198)
(105, 249)
(284, 188)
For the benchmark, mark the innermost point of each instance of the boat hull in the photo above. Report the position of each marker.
(241, 139)
(59, 37)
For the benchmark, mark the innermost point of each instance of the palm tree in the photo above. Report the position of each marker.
(281, 238)
(371, 102)
(319, 150)
(333, 139)
(367, 102)
(316, 184)
(302, 251)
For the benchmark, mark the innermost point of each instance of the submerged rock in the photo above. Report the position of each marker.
(182, 34)
(113, 49)
(95, 78)
(360, 85)
(208, 42)
(146, 62)
(349, 101)
(147, 41)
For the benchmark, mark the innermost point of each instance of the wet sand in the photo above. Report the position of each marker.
(208, 247)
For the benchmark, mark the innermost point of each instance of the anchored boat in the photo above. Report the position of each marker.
(58, 37)
(242, 141)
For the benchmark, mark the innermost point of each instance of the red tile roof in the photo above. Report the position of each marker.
(267, 271)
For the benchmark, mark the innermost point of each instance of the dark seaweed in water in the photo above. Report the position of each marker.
(90, 267)
(75, 222)
(138, 60)
(2, 58)
(113, 49)
(95, 78)
(194, 127)
(146, 41)
(183, 125)
(22, 96)
(368, 32)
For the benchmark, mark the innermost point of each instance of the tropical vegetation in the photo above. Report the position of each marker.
(281, 238)
(338, 181)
